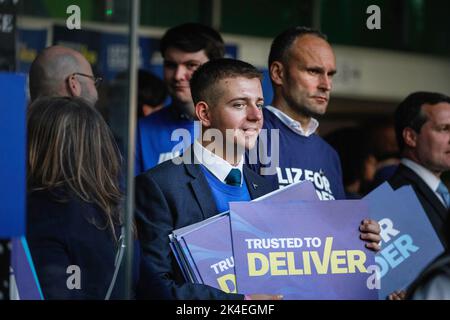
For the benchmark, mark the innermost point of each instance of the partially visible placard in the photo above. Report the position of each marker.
(12, 155)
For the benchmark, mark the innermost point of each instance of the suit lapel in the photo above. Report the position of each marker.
(202, 191)
(256, 185)
(425, 190)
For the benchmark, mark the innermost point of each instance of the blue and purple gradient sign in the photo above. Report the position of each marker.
(302, 250)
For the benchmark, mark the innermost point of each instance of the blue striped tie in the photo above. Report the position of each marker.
(443, 192)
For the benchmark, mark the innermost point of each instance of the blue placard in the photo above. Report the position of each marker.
(12, 155)
(409, 242)
(212, 256)
(302, 250)
(27, 282)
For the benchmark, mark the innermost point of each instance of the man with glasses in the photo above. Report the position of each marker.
(59, 71)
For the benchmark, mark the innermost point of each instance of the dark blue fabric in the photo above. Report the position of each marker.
(223, 193)
(61, 233)
(301, 158)
(382, 175)
(153, 138)
(431, 204)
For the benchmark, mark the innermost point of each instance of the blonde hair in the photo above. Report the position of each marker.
(71, 146)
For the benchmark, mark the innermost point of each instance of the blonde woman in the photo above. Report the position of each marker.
(74, 199)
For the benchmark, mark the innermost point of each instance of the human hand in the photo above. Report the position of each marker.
(397, 295)
(370, 232)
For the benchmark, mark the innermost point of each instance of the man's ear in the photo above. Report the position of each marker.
(202, 111)
(410, 137)
(277, 72)
(73, 86)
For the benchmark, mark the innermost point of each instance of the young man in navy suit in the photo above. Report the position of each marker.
(228, 101)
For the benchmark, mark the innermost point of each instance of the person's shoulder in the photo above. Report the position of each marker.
(158, 117)
(59, 213)
(167, 171)
(270, 119)
(58, 203)
(266, 111)
(404, 176)
(50, 199)
(166, 167)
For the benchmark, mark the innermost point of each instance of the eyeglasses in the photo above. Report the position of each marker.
(97, 80)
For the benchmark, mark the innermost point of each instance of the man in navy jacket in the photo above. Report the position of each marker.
(181, 192)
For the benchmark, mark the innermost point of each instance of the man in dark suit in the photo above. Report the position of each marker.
(228, 101)
(422, 124)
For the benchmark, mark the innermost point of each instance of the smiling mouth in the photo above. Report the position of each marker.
(250, 131)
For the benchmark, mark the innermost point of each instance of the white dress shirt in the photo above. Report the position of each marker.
(426, 175)
(215, 164)
(293, 124)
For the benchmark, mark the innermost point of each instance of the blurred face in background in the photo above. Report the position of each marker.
(307, 75)
(178, 69)
(431, 147)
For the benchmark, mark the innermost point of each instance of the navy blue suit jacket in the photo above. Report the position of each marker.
(172, 196)
(61, 234)
(433, 207)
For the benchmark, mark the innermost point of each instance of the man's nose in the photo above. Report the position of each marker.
(180, 73)
(254, 113)
(326, 82)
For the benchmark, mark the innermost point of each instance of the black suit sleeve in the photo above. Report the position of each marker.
(149, 285)
(155, 221)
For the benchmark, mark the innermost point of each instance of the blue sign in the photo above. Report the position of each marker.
(302, 250)
(409, 242)
(12, 155)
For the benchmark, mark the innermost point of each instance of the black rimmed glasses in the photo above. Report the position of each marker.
(97, 80)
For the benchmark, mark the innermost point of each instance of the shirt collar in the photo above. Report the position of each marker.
(293, 124)
(427, 176)
(215, 164)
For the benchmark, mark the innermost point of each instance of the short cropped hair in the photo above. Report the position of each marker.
(210, 73)
(283, 42)
(409, 112)
(193, 37)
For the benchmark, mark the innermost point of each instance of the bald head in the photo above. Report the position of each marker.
(52, 75)
(302, 66)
